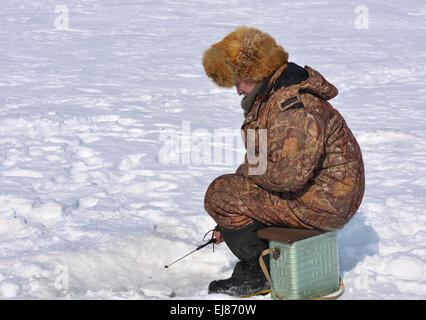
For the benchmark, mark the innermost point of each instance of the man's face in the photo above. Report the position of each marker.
(245, 86)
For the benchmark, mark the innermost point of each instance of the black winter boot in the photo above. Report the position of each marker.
(248, 278)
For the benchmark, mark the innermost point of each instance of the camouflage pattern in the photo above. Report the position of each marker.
(314, 176)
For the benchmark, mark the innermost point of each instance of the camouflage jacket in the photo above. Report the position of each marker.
(313, 159)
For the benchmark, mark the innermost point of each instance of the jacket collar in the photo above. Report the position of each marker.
(265, 91)
(287, 75)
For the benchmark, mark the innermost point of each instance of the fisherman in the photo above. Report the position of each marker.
(314, 172)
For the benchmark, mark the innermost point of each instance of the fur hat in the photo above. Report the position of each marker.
(246, 53)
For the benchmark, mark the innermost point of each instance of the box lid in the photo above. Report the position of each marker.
(288, 235)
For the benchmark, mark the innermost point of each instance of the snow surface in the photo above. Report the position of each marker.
(88, 210)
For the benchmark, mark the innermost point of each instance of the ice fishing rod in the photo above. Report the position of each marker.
(212, 240)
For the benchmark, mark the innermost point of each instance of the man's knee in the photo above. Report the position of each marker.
(221, 185)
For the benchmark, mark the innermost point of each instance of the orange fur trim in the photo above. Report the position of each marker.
(246, 53)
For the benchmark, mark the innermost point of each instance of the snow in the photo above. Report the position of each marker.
(87, 208)
(8, 289)
(157, 290)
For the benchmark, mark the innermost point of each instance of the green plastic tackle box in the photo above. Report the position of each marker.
(304, 264)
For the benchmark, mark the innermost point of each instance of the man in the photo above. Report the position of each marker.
(314, 173)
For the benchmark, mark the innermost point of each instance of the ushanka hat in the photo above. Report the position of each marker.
(244, 54)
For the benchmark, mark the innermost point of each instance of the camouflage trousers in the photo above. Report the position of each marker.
(234, 201)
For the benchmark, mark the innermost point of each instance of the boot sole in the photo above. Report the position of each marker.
(260, 293)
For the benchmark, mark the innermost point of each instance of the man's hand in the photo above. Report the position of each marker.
(217, 236)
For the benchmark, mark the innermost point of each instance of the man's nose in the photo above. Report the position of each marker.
(239, 91)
